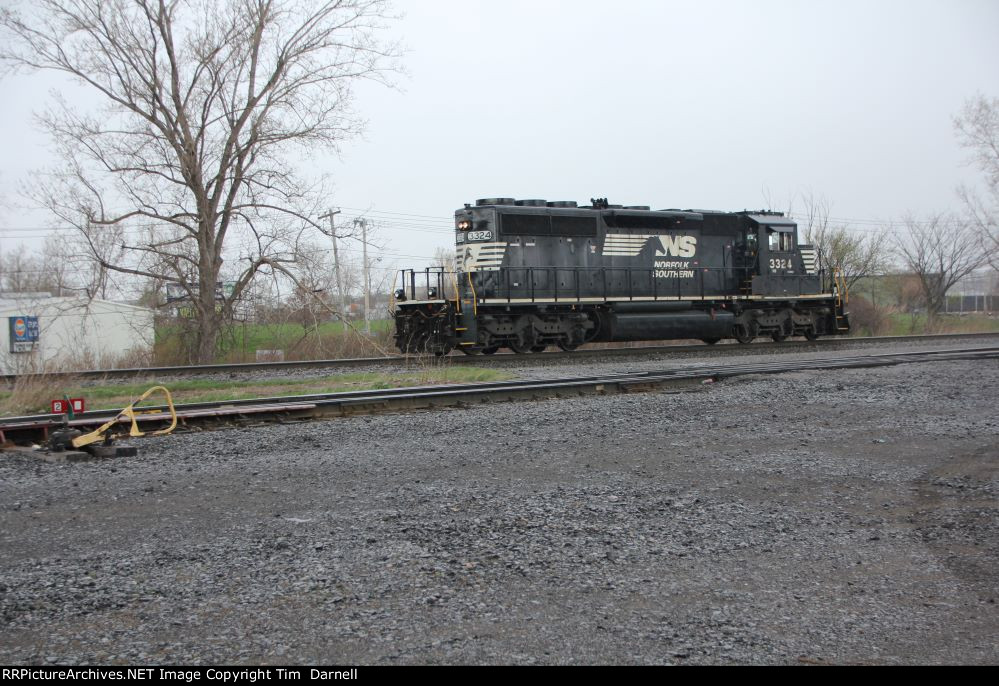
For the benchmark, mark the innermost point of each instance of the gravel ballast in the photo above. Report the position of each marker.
(812, 517)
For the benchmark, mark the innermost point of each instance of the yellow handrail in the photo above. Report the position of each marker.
(475, 298)
(842, 290)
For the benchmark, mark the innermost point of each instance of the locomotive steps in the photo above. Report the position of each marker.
(35, 428)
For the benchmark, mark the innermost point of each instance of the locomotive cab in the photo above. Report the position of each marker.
(780, 248)
(781, 267)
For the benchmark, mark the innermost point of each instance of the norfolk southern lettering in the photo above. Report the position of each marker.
(531, 274)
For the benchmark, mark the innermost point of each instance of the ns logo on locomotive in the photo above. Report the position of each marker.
(532, 273)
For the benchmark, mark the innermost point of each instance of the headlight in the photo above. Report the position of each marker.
(464, 225)
(431, 293)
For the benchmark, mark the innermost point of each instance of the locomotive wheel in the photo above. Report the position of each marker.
(490, 351)
(538, 348)
(811, 335)
(519, 346)
(742, 334)
(785, 331)
(523, 342)
(567, 347)
(471, 351)
(710, 341)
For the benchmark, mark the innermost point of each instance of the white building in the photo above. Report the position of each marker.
(46, 333)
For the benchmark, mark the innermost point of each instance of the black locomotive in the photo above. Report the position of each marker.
(531, 273)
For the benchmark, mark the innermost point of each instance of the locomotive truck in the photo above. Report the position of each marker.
(531, 273)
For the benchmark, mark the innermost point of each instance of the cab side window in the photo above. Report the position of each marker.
(774, 240)
(781, 241)
(786, 241)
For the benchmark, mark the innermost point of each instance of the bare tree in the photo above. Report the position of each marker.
(445, 258)
(84, 274)
(206, 105)
(939, 251)
(57, 265)
(61, 267)
(906, 291)
(856, 256)
(23, 272)
(313, 296)
(978, 130)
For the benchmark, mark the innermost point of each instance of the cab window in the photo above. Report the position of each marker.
(781, 241)
(774, 240)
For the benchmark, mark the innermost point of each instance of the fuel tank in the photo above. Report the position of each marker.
(647, 326)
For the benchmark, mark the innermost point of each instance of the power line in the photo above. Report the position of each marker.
(132, 230)
(403, 214)
(412, 222)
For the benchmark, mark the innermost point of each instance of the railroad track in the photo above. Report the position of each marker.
(319, 406)
(494, 360)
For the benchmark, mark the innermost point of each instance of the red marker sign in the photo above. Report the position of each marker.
(63, 406)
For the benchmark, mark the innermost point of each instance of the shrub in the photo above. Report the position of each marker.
(32, 393)
(868, 319)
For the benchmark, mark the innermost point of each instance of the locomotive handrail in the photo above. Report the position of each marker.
(475, 299)
(842, 289)
(543, 283)
(408, 279)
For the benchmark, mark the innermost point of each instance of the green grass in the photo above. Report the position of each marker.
(272, 336)
(901, 324)
(255, 337)
(240, 343)
(116, 396)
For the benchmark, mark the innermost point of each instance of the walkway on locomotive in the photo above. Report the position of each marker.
(555, 252)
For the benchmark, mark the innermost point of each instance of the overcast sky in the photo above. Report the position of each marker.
(716, 105)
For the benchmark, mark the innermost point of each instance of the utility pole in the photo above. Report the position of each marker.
(336, 263)
(367, 274)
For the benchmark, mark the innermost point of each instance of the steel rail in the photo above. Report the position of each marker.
(498, 359)
(316, 406)
(650, 378)
(313, 398)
